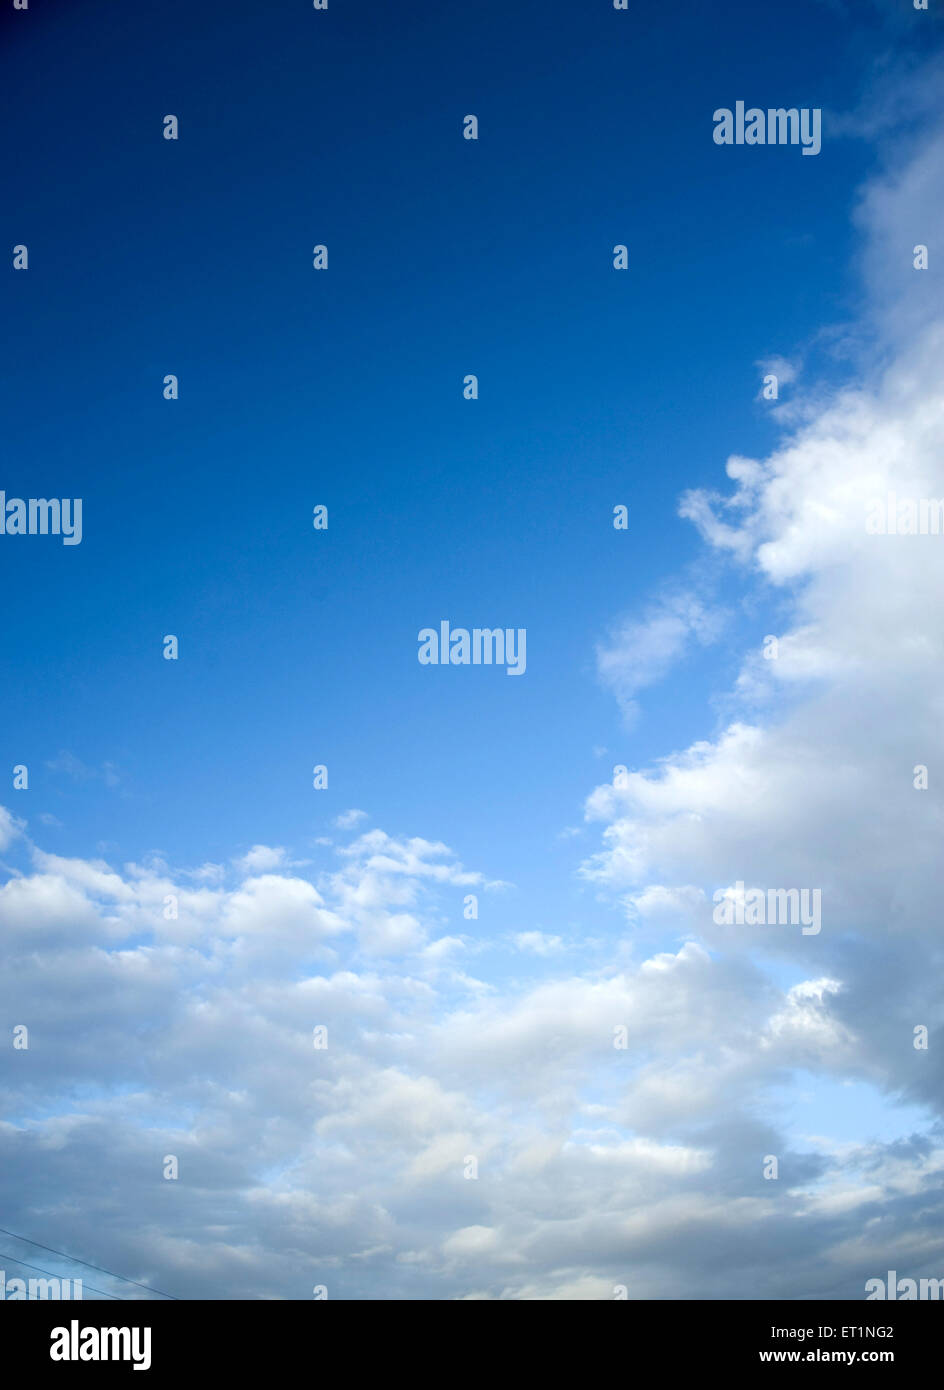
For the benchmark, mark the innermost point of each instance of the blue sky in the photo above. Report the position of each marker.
(298, 647)
(446, 257)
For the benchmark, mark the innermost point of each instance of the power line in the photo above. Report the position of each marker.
(57, 1277)
(110, 1272)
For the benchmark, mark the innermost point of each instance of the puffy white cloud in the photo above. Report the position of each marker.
(262, 859)
(347, 1163)
(811, 782)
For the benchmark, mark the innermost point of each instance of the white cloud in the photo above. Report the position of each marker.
(539, 942)
(261, 859)
(472, 1240)
(640, 652)
(195, 1037)
(10, 828)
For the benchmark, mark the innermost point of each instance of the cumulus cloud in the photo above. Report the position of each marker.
(261, 859)
(822, 792)
(343, 1156)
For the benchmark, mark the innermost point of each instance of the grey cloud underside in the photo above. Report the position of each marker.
(344, 1166)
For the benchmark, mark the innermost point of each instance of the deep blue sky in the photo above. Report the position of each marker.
(446, 257)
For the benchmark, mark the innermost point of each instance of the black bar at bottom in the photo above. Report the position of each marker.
(240, 1339)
